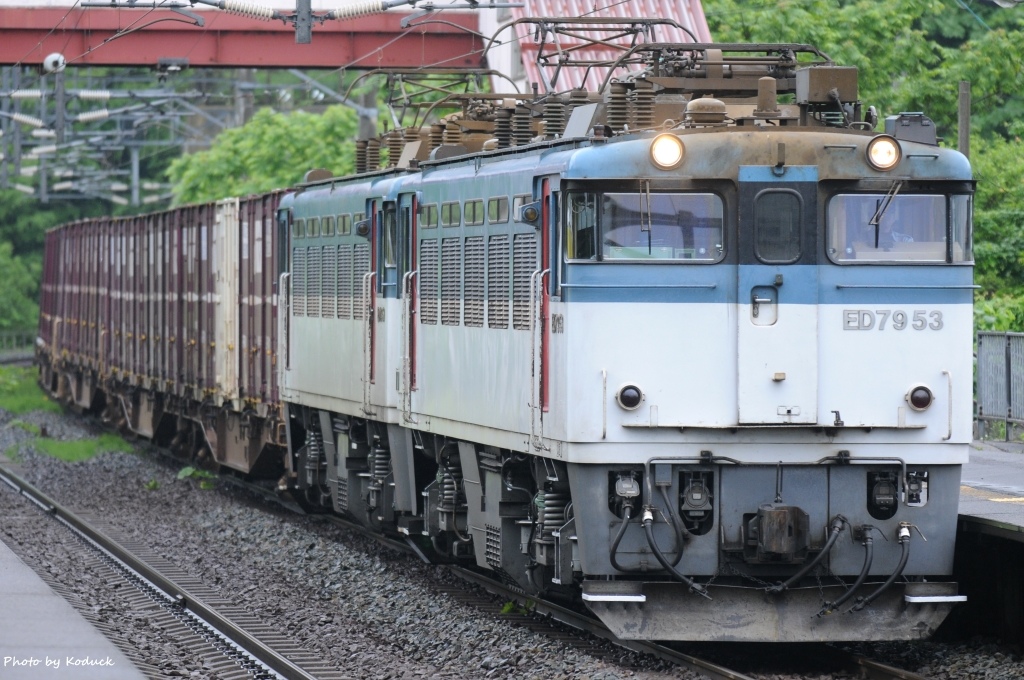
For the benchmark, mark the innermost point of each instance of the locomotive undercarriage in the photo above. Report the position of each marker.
(762, 558)
(784, 569)
(242, 437)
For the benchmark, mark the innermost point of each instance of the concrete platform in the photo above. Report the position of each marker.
(992, 489)
(42, 636)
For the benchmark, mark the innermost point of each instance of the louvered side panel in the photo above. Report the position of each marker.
(473, 284)
(497, 281)
(329, 296)
(361, 266)
(313, 277)
(524, 263)
(428, 281)
(345, 282)
(451, 275)
(298, 282)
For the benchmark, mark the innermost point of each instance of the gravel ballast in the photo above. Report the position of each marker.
(369, 611)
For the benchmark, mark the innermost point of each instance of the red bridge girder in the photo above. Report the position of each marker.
(28, 34)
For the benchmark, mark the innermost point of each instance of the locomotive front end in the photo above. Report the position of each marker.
(766, 334)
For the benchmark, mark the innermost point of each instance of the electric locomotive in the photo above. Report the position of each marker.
(699, 354)
(693, 350)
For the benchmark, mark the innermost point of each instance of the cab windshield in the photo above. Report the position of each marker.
(896, 227)
(643, 226)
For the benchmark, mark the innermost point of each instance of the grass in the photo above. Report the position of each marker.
(20, 393)
(76, 450)
(31, 428)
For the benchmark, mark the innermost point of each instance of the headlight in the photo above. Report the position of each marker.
(666, 151)
(884, 152)
(629, 397)
(919, 397)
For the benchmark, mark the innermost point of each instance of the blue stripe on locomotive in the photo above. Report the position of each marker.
(802, 284)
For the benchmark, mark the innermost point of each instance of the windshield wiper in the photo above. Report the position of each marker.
(882, 206)
(645, 188)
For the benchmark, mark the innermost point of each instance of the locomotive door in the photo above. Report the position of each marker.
(369, 304)
(407, 292)
(777, 305)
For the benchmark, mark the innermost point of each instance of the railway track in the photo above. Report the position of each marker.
(239, 645)
(16, 358)
(550, 618)
(234, 644)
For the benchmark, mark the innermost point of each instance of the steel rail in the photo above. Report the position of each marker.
(207, 614)
(875, 670)
(593, 626)
(864, 667)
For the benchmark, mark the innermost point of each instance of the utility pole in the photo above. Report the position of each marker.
(964, 118)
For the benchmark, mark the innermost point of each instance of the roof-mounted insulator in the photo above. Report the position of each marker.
(503, 127)
(641, 113)
(554, 117)
(436, 137)
(618, 106)
(396, 142)
(522, 126)
(360, 156)
(372, 155)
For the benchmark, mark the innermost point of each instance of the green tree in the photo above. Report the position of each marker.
(273, 150)
(19, 288)
(911, 56)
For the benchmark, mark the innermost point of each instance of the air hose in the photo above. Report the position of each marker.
(904, 556)
(838, 524)
(648, 521)
(869, 549)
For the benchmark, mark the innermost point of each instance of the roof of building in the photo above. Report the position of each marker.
(688, 14)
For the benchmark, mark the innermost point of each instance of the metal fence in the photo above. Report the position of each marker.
(999, 392)
(14, 341)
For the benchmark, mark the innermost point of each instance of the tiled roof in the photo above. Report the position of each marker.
(686, 13)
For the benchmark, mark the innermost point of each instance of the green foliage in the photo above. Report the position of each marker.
(23, 224)
(273, 150)
(513, 607)
(151, 485)
(19, 392)
(19, 288)
(31, 428)
(911, 56)
(75, 450)
(205, 477)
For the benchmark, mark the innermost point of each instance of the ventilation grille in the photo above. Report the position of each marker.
(343, 494)
(497, 282)
(451, 273)
(474, 283)
(313, 282)
(493, 546)
(329, 299)
(298, 282)
(361, 264)
(524, 263)
(345, 282)
(428, 281)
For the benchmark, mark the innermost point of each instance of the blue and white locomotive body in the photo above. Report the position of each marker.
(698, 359)
(715, 378)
